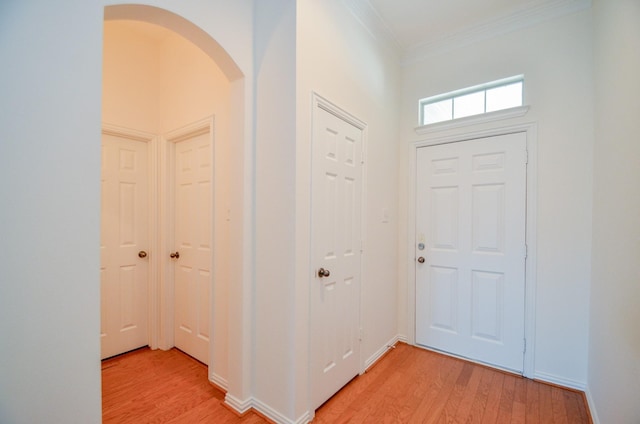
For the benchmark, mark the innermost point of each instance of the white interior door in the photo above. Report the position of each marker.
(470, 249)
(336, 254)
(193, 173)
(123, 239)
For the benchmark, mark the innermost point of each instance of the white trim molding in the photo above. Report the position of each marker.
(243, 406)
(380, 352)
(238, 405)
(321, 103)
(166, 203)
(559, 381)
(483, 118)
(218, 381)
(371, 20)
(591, 405)
(154, 305)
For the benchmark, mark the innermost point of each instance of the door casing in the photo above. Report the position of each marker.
(319, 102)
(160, 294)
(152, 141)
(531, 198)
(172, 139)
(166, 293)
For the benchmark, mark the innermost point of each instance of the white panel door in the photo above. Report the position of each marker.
(192, 240)
(336, 254)
(123, 238)
(470, 249)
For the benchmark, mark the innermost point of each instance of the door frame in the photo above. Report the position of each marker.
(321, 103)
(153, 288)
(166, 194)
(530, 129)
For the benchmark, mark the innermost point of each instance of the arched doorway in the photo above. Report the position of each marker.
(228, 180)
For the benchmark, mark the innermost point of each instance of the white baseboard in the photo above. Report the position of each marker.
(219, 381)
(271, 413)
(378, 354)
(592, 406)
(304, 419)
(560, 381)
(238, 405)
(244, 406)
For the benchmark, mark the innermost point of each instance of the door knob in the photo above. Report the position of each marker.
(142, 254)
(421, 259)
(175, 255)
(323, 272)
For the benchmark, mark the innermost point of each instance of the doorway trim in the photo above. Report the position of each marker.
(320, 103)
(166, 243)
(153, 288)
(530, 129)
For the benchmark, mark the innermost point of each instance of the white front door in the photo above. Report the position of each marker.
(192, 254)
(123, 245)
(336, 254)
(470, 249)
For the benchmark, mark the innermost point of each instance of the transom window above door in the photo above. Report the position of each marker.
(484, 98)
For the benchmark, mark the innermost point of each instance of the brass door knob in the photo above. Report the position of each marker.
(323, 272)
(174, 255)
(142, 254)
(421, 259)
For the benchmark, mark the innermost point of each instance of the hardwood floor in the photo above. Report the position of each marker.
(154, 386)
(408, 385)
(412, 385)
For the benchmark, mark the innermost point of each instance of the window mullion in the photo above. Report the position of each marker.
(484, 95)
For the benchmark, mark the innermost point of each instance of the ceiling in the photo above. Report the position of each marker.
(417, 22)
(419, 26)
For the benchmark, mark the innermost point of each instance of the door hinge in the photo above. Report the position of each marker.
(360, 334)
(526, 251)
(524, 349)
(526, 156)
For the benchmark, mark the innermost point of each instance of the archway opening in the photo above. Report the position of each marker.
(157, 82)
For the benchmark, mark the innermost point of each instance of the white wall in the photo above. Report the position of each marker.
(49, 173)
(555, 58)
(339, 59)
(614, 344)
(156, 81)
(275, 285)
(49, 219)
(302, 47)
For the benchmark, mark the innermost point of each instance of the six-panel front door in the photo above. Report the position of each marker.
(470, 249)
(123, 244)
(192, 240)
(336, 254)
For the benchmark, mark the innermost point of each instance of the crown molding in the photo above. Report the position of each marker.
(495, 27)
(368, 16)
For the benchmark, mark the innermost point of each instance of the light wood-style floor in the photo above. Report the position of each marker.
(408, 385)
(154, 386)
